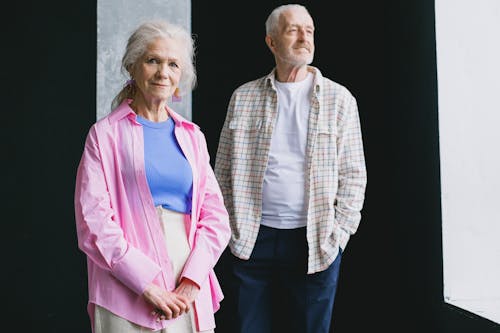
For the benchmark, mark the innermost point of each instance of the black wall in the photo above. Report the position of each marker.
(49, 67)
(383, 51)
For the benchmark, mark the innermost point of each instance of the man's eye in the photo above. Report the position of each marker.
(152, 61)
(173, 64)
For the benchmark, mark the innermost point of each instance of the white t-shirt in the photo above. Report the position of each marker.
(284, 197)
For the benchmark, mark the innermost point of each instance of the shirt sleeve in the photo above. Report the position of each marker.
(100, 236)
(352, 171)
(212, 229)
(223, 160)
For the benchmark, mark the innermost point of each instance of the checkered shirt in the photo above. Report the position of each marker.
(335, 175)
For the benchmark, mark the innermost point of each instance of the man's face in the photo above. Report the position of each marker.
(293, 43)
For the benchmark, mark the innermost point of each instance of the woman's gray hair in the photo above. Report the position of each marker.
(137, 44)
(272, 22)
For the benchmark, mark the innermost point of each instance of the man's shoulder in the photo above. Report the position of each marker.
(336, 88)
(252, 86)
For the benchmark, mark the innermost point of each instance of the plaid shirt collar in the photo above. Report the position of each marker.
(270, 79)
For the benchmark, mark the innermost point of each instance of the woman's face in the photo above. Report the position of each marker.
(158, 71)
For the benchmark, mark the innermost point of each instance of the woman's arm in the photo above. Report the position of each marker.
(100, 236)
(212, 229)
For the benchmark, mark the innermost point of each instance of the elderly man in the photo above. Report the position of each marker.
(291, 167)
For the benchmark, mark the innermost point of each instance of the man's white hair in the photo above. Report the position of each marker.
(272, 22)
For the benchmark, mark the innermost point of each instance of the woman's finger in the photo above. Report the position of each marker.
(176, 311)
(182, 304)
(164, 310)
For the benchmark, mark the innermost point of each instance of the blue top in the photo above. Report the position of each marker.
(168, 172)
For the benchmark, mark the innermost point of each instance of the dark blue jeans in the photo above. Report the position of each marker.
(272, 291)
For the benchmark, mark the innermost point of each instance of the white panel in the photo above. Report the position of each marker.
(468, 64)
(116, 19)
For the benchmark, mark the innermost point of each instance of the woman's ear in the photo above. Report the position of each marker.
(130, 71)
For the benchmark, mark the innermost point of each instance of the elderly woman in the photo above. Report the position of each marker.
(149, 213)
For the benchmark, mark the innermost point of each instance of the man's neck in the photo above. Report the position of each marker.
(290, 73)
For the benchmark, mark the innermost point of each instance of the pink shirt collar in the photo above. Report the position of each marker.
(124, 110)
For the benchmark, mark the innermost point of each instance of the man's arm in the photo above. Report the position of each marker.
(223, 160)
(352, 170)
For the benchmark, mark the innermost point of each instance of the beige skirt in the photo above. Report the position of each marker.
(178, 251)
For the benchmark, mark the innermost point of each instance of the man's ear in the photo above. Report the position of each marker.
(270, 42)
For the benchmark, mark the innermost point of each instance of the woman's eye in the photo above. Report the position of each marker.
(152, 61)
(173, 64)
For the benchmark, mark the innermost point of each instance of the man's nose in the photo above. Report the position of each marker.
(302, 34)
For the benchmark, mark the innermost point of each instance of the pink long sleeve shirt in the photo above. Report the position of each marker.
(119, 230)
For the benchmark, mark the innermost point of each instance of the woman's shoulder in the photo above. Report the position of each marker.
(114, 118)
(180, 120)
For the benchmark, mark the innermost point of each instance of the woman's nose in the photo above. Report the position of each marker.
(163, 70)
